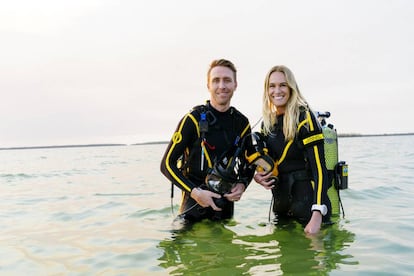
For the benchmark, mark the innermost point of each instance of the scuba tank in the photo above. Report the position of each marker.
(337, 171)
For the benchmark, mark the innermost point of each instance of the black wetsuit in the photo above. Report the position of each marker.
(303, 177)
(187, 167)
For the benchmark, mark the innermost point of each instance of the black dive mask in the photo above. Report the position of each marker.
(225, 172)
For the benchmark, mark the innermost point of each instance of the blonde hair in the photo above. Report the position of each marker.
(295, 104)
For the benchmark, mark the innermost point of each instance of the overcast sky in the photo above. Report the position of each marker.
(96, 71)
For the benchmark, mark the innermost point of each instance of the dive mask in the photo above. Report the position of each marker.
(225, 172)
(258, 155)
(217, 184)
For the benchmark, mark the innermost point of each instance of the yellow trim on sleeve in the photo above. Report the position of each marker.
(313, 138)
(177, 138)
(319, 167)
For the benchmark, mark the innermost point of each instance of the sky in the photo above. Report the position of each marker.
(100, 71)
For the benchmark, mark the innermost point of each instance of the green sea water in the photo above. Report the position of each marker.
(108, 211)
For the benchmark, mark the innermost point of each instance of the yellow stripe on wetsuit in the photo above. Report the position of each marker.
(312, 139)
(306, 141)
(245, 130)
(177, 138)
(285, 150)
(317, 158)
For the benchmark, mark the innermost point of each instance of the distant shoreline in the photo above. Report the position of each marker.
(344, 135)
(64, 146)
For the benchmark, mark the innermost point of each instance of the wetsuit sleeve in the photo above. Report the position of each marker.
(247, 173)
(311, 138)
(183, 138)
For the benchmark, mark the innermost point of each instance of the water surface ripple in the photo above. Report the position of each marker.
(107, 211)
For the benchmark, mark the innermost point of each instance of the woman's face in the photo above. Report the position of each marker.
(279, 91)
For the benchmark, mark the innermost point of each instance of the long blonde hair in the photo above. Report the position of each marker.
(293, 107)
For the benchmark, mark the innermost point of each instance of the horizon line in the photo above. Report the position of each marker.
(344, 135)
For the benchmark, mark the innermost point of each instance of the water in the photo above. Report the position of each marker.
(107, 211)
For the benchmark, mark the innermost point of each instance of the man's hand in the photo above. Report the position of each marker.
(205, 198)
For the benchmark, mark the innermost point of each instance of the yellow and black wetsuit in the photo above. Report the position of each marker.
(192, 152)
(303, 177)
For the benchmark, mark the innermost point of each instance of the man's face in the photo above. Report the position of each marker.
(221, 85)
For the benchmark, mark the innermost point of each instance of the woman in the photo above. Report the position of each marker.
(295, 141)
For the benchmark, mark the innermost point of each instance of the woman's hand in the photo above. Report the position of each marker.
(314, 224)
(236, 192)
(265, 179)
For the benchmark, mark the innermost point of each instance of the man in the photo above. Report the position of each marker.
(198, 160)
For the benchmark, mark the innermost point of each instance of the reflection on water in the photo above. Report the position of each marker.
(209, 248)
